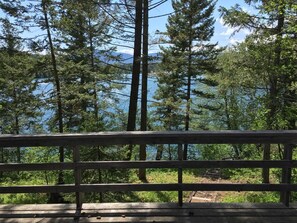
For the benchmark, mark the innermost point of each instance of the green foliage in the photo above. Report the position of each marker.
(169, 105)
(185, 61)
(215, 152)
(160, 176)
(270, 45)
(86, 80)
(253, 197)
(23, 198)
(20, 107)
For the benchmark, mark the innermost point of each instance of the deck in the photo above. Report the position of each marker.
(149, 212)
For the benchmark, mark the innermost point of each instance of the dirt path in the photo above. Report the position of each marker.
(208, 196)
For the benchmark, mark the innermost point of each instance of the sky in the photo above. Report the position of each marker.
(222, 33)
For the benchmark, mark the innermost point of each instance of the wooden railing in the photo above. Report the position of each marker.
(287, 138)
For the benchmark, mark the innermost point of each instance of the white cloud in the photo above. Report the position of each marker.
(246, 31)
(234, 41)
(125, 50)
(228, 29)
(234, 36)
(247, 10)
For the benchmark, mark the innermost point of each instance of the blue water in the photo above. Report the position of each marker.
(125, 92)
(45, 89)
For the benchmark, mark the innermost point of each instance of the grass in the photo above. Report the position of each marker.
(164, 176)
(154, 176)
(251, 176)
(252, 197)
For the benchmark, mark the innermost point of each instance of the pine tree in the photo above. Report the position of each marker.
(85, 28)
(169, 104)
(20, 107)
(189, 30)
(273, 30)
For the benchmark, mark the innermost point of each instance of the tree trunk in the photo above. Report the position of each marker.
(95, 97)
(55, 197)
(274, 78)
(188, 97)
(143, 127)
(135, 73)
(159, 153)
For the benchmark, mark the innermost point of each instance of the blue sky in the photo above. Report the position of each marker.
(222, 33)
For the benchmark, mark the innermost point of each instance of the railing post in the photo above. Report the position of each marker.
(266, 156)
(77, 176)
(1, 155)
(142, 156)
(180, 176)
(286, 175)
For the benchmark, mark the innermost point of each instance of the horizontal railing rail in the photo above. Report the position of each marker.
(150, 164)
(69, 188)
(288, 138)
(140, 137)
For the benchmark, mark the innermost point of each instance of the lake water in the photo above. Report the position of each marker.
(44, 89)
(125, 92)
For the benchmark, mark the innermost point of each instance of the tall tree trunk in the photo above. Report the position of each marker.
(143, 127)
(1, 155)
(135, 73)
(95, 97)
(187, 119)
(96, 109)
(274, 78)
(55, 197)
(188, 96)
(159, 153)
(231, 125)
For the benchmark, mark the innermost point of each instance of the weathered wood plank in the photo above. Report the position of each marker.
(77, 177)
(180, 175)
(147, 187)
(138, 206)
(153, 212)
(150, 164)
(138, 137)
(287, 174)
(266, 156)
(193, 219)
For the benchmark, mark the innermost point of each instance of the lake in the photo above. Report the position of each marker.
(45, 89)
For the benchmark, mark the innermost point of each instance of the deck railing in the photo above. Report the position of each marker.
(287, 138)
